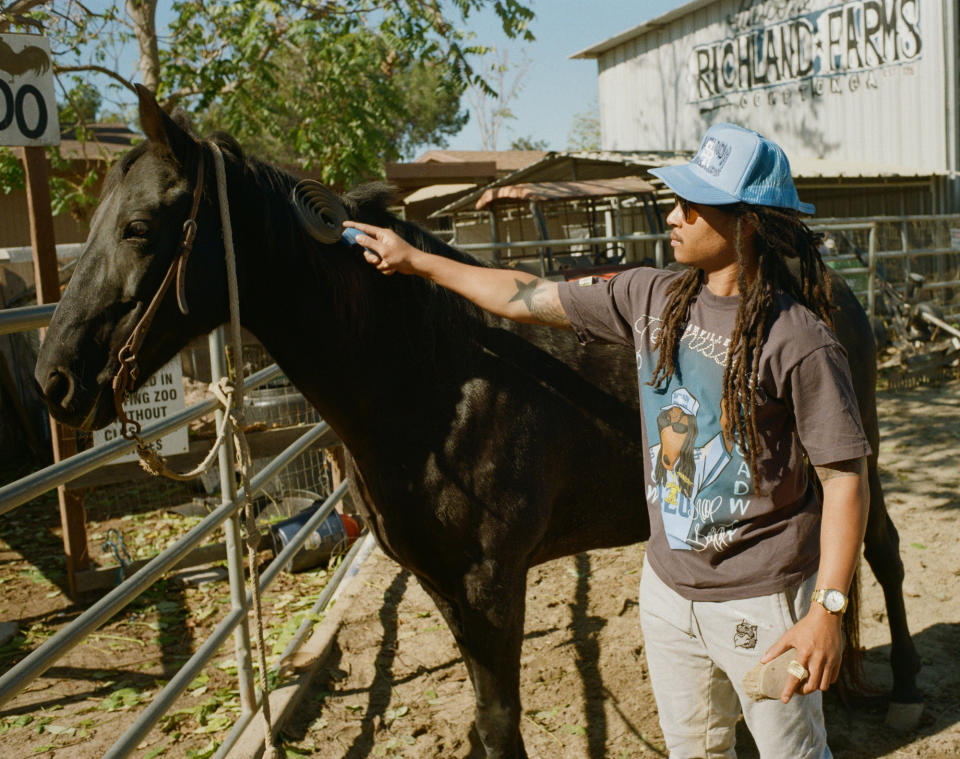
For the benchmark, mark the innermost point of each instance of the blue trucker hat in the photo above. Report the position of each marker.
(735, 165)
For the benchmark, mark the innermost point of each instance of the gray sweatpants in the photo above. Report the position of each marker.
(697, 654)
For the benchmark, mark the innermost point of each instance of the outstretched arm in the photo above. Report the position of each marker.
(846, 498)
(515, 295)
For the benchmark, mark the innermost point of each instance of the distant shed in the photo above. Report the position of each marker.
(103, 144)
(564, 196)
(440, 177)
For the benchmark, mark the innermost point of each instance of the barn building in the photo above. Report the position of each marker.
(862, 95)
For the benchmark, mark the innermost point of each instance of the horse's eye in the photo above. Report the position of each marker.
(136, 229)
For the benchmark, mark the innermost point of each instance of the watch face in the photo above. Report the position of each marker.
(833, 600)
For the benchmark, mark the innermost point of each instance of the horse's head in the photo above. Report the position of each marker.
(135, 234)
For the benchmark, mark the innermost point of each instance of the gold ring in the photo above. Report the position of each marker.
(796, 669)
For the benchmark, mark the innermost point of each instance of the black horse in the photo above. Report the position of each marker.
(480, 447)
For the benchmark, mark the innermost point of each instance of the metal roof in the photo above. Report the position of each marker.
(505, 160)
(809, 168)
(572, 166)
(596, 50)
(546, 191)
(101, 142)
(436, 191)
(607, 164)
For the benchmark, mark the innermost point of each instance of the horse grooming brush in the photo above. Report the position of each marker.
(321, 213)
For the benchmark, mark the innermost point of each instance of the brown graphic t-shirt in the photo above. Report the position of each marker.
(716, 534)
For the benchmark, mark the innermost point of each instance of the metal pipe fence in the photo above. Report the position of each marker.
(18, 493)
(865, 253)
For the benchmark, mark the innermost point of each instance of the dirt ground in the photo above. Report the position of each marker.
(91, 696)
(395, 686)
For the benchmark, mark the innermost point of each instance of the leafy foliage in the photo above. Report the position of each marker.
(529, 143)
(338, 86)
(585, 131)
(81, 107)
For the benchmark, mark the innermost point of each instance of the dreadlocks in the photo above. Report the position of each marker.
(779, 235)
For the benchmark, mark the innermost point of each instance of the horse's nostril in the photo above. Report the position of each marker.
(59, 387)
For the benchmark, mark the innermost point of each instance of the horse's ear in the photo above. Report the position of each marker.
(159, 127)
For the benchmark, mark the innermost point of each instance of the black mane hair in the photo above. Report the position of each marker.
(420, 313)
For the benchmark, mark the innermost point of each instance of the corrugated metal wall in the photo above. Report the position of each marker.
(655, 90)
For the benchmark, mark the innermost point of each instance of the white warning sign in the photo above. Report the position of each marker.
(28, 106)
(159, 398)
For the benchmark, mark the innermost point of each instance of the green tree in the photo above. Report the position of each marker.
(339, 85)
(81, 106)
(433, 102)
(585, 131)
(529, 143)
(491, 108)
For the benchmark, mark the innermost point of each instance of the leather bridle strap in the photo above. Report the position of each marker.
(127, 371)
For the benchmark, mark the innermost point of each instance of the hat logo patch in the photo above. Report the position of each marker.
(712, 156)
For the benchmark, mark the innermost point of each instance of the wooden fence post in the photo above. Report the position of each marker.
(46, 274)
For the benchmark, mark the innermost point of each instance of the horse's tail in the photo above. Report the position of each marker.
(852, 676)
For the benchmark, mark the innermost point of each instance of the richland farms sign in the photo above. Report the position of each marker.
(28, 106)
(783, 50)
(158, 399)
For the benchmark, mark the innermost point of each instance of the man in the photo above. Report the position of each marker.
(742, 383)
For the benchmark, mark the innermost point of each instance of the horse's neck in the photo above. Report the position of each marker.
(350, 367)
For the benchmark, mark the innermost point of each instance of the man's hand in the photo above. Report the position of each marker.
(817, 637)
(390, 252)
(819, 647)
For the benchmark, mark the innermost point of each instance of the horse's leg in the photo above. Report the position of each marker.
(882, 551)
(487, 624)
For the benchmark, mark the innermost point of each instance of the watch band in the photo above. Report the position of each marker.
(820, 596)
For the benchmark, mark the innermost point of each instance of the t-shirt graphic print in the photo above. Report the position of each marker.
(700, 483)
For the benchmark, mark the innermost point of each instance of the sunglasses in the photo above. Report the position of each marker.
(679, 427)
(686, 207)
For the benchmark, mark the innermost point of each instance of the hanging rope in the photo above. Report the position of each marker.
(156, 464)
(235, 370)
(229, 391)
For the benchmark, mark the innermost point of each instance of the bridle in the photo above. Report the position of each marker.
(128, 370)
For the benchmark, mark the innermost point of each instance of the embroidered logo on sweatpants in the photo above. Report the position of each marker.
(746, 635)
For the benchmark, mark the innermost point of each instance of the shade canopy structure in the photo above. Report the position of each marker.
(567, 190)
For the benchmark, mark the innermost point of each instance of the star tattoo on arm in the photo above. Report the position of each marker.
(525, 291)
(542, 299)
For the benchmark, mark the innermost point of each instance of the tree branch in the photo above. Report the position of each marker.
(100, 70)
(20, 6)
(13, 14)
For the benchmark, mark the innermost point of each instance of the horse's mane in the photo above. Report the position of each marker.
(423, 319)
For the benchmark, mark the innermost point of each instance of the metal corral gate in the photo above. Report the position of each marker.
(227, 514)
(890, 246)
(866, 250)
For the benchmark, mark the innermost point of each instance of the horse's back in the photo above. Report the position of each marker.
(586, 433)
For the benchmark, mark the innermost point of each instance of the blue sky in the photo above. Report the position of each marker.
(556, 88)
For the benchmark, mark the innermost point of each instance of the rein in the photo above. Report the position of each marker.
(229, 392)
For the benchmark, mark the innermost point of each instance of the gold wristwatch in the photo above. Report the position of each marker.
(831, 599)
